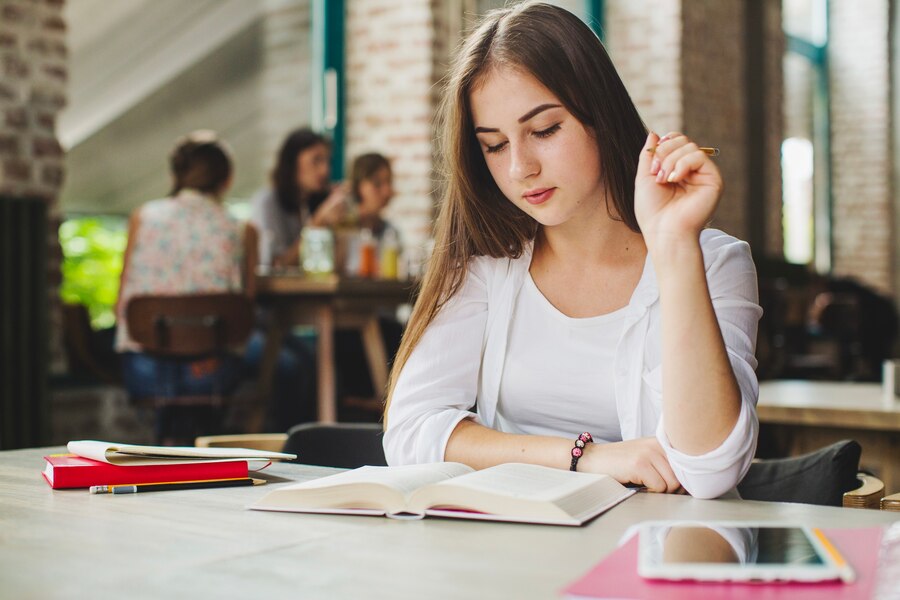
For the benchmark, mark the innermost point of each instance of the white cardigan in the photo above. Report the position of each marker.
(458, 363)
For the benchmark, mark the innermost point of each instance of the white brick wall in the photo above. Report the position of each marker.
(643, 37)
(390, 74)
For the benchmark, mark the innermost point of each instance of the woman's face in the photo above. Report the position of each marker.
(314, 169)
(541, 157)
(376, 191)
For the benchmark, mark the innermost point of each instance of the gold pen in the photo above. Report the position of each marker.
(713, 152)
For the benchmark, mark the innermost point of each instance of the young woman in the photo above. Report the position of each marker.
(186, 243)
(573, 287)
(301, 194)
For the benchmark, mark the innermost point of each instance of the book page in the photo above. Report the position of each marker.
(524, 493)
(534, 482)
(384, 489)
(405, 479)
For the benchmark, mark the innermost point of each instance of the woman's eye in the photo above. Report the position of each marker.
(496, 148)
(547, 132)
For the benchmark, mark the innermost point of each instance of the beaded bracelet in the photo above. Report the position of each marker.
(578, 450)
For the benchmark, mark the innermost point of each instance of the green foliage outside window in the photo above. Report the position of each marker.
(93, 248)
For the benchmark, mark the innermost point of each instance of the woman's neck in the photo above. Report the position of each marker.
(599, 241)
(188, 191)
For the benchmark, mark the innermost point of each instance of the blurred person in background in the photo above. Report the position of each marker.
(371, 190)
(301, 195)
(186, 243)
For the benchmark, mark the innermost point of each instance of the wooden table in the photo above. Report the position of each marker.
(205, 544)
(800, 416)
(326, 303)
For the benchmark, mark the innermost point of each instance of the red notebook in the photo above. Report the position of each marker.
(616, 576)
(70, 471)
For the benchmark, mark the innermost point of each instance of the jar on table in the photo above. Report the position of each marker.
(317, 250)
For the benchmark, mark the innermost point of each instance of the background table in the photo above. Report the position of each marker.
(327, 303)
(204, 544)
(801, 416)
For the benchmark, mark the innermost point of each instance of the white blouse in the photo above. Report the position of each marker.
(458, 364)
(556, 366)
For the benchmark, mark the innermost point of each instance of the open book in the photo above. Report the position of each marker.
(508, 492)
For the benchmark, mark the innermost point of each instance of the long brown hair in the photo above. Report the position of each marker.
(284, 176)
(475, 218)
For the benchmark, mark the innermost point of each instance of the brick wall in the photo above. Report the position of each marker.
(32, 92)
(390, 73)
(859, 76)
(774, 44)
(684, 64)
(685, 70)
(643, 37)
(396, 55)
(715, 98)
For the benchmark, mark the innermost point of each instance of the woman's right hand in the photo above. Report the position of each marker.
(641, 461)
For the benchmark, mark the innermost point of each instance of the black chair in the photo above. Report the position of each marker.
(821, 477)
(344, 445)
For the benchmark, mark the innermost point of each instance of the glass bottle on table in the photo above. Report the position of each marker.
(367, 254)
(390, 254)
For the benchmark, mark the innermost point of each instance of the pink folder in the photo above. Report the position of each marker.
(616, 577)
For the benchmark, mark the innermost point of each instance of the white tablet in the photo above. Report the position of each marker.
(737, 551)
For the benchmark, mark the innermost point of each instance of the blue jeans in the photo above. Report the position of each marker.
(294, 386)
(153, 377)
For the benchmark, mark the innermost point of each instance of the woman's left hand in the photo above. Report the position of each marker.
(677, 188)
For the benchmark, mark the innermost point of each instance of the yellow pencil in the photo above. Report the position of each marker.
(846, 571)
(174, 485)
